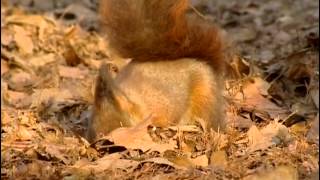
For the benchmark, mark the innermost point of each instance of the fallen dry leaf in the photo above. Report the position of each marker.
(256, 139)
(164, 162)
(219, 158)
(6, 119)
(18, 99)
(138, 138)
(238, 121)
(17, 144)
(4, 92)
(252, 97)
(43, 23)
(16, 60)
(25, 134)
(23, 40)
(43, 96)
(7, 37)
(52, 100)
(279, 173)
(72, 72)
(178, 159)
(42, 60)
(239, 67)
(27, 119)
(273, 134)
(4, 67)
(56, 151)
(202, 161)
(313, 134)
(34, 20)
(109, 162)
(20, 80)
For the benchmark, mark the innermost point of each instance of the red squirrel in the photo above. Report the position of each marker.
(176, 73)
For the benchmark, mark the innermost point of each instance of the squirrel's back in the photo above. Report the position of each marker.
(174, 92)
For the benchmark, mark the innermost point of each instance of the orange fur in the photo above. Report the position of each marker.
(151, 30)
(174, 77)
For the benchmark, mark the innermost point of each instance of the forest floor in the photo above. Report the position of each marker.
(50, 54)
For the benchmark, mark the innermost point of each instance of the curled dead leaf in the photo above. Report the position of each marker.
(253, 96)
(178, 159)
(138, 138)
(42, 60)
(109, 162)
(164, 161)
(72, 72)
(273, 134)
(23, 40)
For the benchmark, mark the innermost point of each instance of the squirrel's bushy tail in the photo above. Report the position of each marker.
(150, 30)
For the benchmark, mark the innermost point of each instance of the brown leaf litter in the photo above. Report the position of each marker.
(48, 70)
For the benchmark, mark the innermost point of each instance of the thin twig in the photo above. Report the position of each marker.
(198, 13)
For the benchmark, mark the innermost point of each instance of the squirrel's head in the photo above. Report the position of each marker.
(116, 65)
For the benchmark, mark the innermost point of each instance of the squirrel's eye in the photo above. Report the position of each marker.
(114, 69)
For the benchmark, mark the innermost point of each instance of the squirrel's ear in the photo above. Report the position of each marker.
(128, 60)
